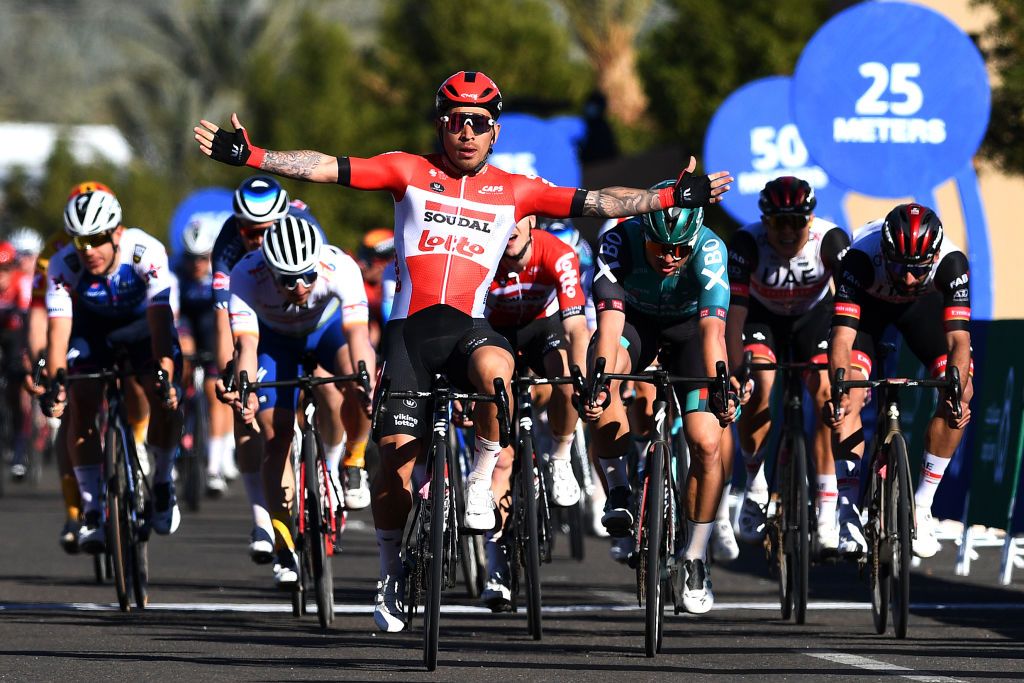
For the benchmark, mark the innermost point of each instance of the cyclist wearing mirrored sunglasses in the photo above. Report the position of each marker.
(453, 216)
(662, 294)
(903, 271)
(780, 273)
(257, 202)
(292, 297)
(112, 287)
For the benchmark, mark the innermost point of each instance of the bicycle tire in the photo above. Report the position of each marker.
(576, 515)
(472, 576)
(116, 519)
(99, 562)
(781, 538)
(200, 439)
(529, 535)
(653, 548)
(899, 508)
(314, 530)
(135, 517)
(435, 560)
(800, 528)
(879, 569)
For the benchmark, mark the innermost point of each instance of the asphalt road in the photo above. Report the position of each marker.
(216, 616)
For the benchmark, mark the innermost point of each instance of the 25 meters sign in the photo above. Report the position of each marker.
(891, 98)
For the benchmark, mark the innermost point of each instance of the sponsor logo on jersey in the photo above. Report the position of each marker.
(957, 313)
(409, 403)
(848, 309)
(437, 187)
(961, 295)
(137, 255)
(959, 282)
(568, 278)
(450, 243)
(491, 189)
(480, 221)
(221, 281)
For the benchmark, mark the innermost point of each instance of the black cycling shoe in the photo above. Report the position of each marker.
(69, 537)
(618, 518)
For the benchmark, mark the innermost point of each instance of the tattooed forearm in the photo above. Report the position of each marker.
(617, 202)
(302, 164)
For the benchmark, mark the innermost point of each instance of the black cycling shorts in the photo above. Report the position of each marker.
(435, 340)
(767, 334)
(920, 322)
(536, 339)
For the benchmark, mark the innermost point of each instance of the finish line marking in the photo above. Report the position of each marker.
(366, 608)
(879, 666)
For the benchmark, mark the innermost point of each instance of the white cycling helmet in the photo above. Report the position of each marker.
(199, 236)
(92, 213)
(260, 199)
(26, 241)
(292, 246)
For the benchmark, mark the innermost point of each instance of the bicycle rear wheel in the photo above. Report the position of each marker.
(899, 509)
(529, 535)
(799, 561)
(314, 532)
(473, 569)
(576, 515)
(778, 528)
(653, 548)
(435, 558)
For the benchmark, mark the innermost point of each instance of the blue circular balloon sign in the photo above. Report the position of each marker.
(753, 136)
(542, 147)
(891, 98)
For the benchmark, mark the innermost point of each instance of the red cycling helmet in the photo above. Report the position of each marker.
(468, 89)
(7, 254)
(87, 186)
(787, 195)
(911, 233)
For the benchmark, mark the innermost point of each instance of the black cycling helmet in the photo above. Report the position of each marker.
(911, 233)
(787, 195)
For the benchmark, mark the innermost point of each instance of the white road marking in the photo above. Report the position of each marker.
(883, 667)
(366, 608)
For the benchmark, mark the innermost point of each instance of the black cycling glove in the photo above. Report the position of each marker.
(692, 191)
(235, 149)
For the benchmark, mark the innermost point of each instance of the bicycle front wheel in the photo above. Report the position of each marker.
(435, 559)
(899, 509)
(314, 532)
(530, 536)
(117, 518)
(799, 548)
(880, 561)
(653, 548)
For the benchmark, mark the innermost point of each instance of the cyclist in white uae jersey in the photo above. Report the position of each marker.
(293, 297)
(453, 216)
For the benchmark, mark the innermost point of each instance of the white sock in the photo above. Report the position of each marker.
(485, 459)
(615, 471)
(164, 463)
(389, 545)
(563, 447)
(254, 489)
(215, 455)
(333, 455)
(698, 534)
(90, 485)
(932, 469)
(828, 496)
(756, 481)
(723, 505)
(848, 482)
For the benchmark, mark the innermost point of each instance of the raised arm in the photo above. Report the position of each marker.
(235, 149)
(690, 191)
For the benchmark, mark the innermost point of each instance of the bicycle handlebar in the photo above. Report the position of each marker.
(306, 382)
(951, 383)
(601, 381)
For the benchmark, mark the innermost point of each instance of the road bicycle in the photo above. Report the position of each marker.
(888, 497)
(431, 555)
(315, 520)
(195, 437)
(658, 528)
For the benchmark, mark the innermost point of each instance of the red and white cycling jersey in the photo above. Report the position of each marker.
(14, 300)
(549, 283)
(451, 232)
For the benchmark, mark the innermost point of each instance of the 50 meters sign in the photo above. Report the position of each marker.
(891, 98)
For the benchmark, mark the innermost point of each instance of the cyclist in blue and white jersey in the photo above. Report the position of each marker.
(294, 296)
(112, 286)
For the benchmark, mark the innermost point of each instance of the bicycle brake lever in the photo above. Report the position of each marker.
(955, 390)
(501, 402)
(838, 389)
(379, 401)
(364, 377)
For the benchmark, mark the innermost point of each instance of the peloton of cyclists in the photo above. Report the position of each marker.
(453, 216)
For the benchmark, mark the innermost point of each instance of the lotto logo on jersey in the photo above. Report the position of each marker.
(568, 278)
(449, 243)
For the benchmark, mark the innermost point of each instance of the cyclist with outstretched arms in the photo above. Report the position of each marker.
(780, 273)
(111, 287)
(536, 302)
(294, 296)
(902, 271)
(662, 293)
(453, 216)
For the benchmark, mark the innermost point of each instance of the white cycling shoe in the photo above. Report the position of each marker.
(851, 535)
(480, 508)
(697, 597)
(723, 541)
(925, 545)
(828, 536)
(565, 490)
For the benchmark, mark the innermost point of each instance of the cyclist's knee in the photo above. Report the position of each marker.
(487, 364)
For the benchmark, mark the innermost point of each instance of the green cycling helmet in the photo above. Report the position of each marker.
(674, 225)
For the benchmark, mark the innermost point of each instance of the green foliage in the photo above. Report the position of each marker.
(1004, 49)
(693, 61)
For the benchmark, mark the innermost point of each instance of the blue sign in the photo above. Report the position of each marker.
(892, 98)
(541, 147)
(208, 204)
(754, 137)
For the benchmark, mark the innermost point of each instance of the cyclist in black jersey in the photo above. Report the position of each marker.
(902, 271)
